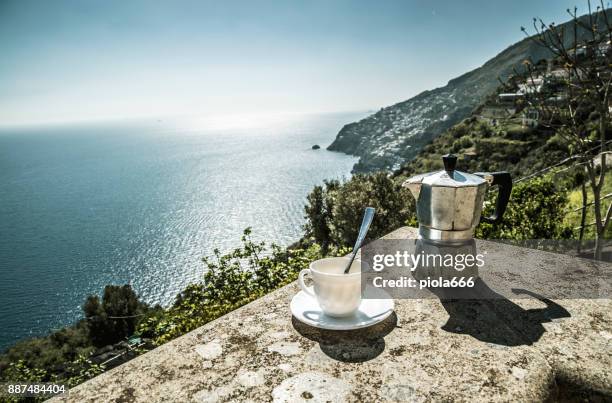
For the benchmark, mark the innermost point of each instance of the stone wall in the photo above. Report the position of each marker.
(260, 353)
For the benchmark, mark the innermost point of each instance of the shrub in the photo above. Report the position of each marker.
(116, 317)
(318, 210)
(231, 280)
(334, 212)
(535, 211)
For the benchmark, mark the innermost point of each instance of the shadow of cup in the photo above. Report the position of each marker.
(357, 345)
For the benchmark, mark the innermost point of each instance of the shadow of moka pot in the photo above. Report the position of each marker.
(473, 307)
(492, 318)
(449, 202)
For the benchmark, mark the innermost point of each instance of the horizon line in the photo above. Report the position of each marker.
(165, 118)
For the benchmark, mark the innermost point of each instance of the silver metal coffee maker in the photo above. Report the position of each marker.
(449, 202)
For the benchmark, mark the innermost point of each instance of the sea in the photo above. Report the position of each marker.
(142, 201)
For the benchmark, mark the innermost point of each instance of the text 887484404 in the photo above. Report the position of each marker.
(9, 389)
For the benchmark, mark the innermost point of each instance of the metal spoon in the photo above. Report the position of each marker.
(368, 215)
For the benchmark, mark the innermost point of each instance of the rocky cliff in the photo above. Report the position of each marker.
(394, 134)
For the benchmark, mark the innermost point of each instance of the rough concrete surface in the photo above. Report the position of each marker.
(426, 351)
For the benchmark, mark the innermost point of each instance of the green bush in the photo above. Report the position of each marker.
(334, 212)
(64, 354)
(318, 209)
(231, 280)
(535, 211)
(116, 317)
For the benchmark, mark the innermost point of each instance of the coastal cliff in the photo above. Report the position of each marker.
(395, 134)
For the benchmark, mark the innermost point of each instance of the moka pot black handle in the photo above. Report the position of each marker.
(504, 181)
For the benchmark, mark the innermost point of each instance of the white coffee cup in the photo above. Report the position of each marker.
(338, 294)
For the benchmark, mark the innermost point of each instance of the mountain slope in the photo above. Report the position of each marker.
(395, 134)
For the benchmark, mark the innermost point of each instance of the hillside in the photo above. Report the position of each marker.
(395, 134)
(481, 147)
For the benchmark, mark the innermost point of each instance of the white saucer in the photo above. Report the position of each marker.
(371, 311)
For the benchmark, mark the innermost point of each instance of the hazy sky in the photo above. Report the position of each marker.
(92, 59)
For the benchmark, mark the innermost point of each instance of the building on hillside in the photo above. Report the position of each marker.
(581, 52)
(494, 113)
(603, 49)
(559, 98)
(530, 117)
(531, 85)
(559, 73)
(509, 98)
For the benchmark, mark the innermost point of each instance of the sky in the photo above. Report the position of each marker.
(64, 61)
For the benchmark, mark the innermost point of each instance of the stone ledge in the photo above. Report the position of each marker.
(259, 353)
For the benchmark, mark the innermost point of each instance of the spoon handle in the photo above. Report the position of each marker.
(368, 216)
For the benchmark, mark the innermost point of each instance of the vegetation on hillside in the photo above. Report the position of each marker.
(230, 281)
(575, 101)
(574, 208)
(535, 211)
(334, 210)
(64, 355)
(481, 147)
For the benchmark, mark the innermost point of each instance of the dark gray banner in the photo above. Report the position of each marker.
(544, 269)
